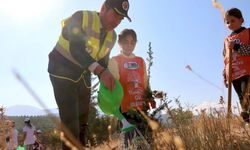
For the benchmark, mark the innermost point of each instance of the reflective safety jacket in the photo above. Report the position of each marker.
(91, 26)
(240, 63)
(82, 42)
(132, 78)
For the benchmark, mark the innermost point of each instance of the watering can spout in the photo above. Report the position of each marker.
(126, 126)
(110, 101)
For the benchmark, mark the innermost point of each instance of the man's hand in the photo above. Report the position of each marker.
(22, 143)
(107, 79)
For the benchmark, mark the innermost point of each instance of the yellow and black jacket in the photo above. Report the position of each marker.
(81, 43)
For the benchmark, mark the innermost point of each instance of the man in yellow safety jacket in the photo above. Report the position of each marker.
(83, 47)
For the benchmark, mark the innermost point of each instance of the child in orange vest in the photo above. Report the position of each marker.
(239, 43)
(130, 70)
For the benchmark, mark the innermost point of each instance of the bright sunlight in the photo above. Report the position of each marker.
(27, 9)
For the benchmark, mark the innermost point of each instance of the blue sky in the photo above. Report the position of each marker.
(181, 32)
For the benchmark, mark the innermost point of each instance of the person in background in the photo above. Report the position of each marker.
(28, 134)
(239, 43)
(12, 136)
(38, 145)
(130, 70)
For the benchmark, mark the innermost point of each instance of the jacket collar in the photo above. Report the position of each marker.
(238, 30)
(130, 56)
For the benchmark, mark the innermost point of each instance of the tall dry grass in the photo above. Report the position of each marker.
(184, 132)
(202, 132)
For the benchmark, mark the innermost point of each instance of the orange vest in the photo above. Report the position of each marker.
(131, 72)
(240, 64)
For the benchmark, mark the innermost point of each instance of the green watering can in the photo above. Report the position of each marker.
(21, 148)
(110, 102)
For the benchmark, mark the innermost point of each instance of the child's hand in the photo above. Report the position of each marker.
(225, 79)
(234, 45)
(231, 45)
(226, 84)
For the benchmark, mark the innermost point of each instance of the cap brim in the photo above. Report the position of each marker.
(122, 14)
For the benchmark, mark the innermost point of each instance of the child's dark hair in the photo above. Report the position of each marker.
(27, 123)
(235, 12)
(125, 33)
(7, 139)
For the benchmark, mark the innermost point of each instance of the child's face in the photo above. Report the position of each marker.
(128, 45)
(10, 124)
(233, 23)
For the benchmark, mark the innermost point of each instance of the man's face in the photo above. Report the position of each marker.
(110, 19)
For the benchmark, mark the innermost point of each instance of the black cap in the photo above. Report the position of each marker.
(120, 6)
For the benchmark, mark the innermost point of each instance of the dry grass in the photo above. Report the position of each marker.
(203, 132)
(188, 132)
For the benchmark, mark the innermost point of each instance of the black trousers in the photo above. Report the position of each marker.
(73, 101)
(240, 86)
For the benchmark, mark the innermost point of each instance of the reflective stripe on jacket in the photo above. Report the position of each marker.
(91, 25)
